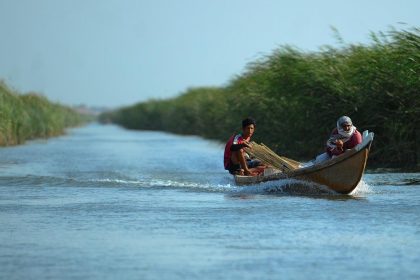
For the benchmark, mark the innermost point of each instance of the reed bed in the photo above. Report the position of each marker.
(297, 96)
(29, 116)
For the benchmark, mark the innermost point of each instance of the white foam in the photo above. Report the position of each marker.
(286, 186)
(119, 181)
(226, 185)
(361, 189)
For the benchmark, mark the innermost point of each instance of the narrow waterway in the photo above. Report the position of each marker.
(108, 203)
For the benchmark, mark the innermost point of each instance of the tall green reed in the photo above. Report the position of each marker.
(30, 116)
(297, 96)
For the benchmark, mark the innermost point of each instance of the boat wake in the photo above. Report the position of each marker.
(217, 184)
(286, 187)
(362, 189)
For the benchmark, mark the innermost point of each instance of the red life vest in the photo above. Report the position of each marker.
(234, 139)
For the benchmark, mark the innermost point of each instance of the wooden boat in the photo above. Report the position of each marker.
(341, 174)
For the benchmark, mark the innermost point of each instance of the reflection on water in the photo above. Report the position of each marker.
(102, 202)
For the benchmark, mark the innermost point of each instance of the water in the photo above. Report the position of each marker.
(107, 203)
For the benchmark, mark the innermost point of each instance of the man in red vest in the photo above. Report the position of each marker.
(236, 160)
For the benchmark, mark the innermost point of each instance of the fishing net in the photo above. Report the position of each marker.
(269, 157)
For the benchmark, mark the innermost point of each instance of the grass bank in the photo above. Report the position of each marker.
(297, 96)
(29, 116)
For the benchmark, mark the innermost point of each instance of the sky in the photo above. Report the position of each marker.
(115, 53)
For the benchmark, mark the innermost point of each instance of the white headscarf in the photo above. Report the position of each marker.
(342, 134)
(346, 134)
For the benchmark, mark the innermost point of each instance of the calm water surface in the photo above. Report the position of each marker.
(107, 203)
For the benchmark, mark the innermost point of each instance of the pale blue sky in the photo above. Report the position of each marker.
(119, 52)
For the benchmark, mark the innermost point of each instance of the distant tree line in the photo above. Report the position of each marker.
(29, 116)
(297, 96)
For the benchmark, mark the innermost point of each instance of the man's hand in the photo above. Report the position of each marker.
(247, 144)
(339, 144)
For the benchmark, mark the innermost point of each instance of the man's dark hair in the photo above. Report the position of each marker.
(248, 121)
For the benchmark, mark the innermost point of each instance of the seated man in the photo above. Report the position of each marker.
(236, 160)
(344, 137)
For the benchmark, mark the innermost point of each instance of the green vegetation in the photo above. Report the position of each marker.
(297, 96)
(30, 116)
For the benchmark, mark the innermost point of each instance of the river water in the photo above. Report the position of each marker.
(103, 202)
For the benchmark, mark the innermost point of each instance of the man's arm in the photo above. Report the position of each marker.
(237, 147)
